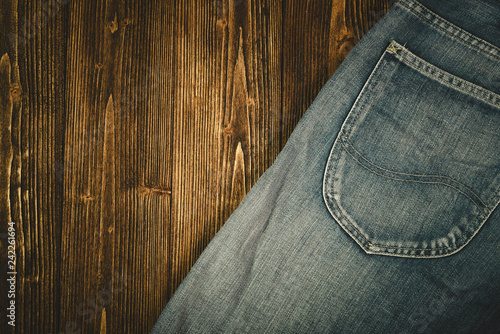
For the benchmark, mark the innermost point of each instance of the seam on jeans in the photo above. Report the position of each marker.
(356, 234)
(382, 252)
(355, 110)
(394, 247)
(417, 8)
(416, 181)
(408, 174)
(434, 72)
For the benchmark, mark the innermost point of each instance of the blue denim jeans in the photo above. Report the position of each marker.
(379, 215)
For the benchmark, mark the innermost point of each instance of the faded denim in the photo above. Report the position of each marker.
(380, 214)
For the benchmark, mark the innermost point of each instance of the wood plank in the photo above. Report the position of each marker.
(6, 107)
(8, 56)
(317, 36)
(35, 36)
(305, 44)
(194, 128)
(155, 139)
(227, 113)
(89, 94)
(118, 143)
(250, 92)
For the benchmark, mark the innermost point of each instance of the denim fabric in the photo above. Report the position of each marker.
(380, 214)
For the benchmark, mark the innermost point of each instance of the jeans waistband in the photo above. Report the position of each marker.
(475, 21)
(478, 28)
(460, 37)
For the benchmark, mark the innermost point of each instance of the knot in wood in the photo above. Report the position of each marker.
(113, 25)
(15, 91)
(346, 46)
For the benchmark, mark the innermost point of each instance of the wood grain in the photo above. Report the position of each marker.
(131, 130)
(34, 42)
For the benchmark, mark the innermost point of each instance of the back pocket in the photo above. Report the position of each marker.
(415, 169)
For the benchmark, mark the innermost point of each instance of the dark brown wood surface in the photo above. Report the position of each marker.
(129, 132)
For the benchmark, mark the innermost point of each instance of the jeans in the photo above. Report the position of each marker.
(379, 215)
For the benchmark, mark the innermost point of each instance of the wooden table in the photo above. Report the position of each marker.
(129, 132)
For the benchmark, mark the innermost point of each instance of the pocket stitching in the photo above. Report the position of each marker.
(422, 66)
(365, 92)
(392, 247)
(332, 164)
(416, 7)
(416, 175)
(356, 234)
